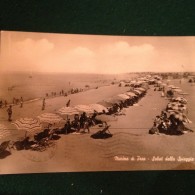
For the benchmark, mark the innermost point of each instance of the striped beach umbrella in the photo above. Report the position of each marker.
(98, 108)
(84, 108)
(67, 111)
(131, 94)
(105, 104)
(141, 89)
(30, 125)
(115, 100)
(50, 118)
(4, 132)
(180, 116)
(123, 96)
(137, 91)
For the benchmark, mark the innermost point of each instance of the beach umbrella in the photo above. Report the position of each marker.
(171, 86)
(84, 108)
(164, 84)
(98, 107)
(51, 118)
(30, 125)
(176, 106)
(115, 100)
(182, 117)
(141, 89)
(4, 133)
(179, 99)
(67, 111)
(183, 93)
(131, 94)
(105, 104)
(137, 91)
(177, 90)
(105, 118)
(123, 96)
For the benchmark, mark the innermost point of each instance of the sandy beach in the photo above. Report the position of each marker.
(130, 148)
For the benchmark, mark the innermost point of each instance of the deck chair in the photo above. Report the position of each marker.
(4, 145)
(106, 129)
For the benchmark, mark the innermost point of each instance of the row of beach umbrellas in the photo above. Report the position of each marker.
(177, 108)
(34, 125)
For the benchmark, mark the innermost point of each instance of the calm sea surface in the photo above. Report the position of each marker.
(31, 86)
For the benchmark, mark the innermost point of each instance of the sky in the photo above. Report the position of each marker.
(50, 52)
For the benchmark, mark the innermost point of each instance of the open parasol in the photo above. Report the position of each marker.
(67, 111)
(123, 96)
(4, 133)
(84, 108)
(98, 108)
(52, 119)
(105, 104)
(29, 125)
(131, 94)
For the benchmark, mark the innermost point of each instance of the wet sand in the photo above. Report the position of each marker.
(79, 152)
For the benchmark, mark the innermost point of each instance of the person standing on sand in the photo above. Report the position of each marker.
(43, 105)
(9, 112)
(21, 102)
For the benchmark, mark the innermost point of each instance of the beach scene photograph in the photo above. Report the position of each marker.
(80, 103)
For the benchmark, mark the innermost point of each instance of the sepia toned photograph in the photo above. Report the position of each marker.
(80, 103)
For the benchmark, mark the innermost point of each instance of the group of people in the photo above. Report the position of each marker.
(15, 101)
(117, 107)
(170, 122)
(63, 93)
(79, 123)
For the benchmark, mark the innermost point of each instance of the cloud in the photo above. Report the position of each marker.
(32, 49)
(123, 57)
(81, 52)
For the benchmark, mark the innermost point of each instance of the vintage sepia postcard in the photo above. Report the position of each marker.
(77, 103)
